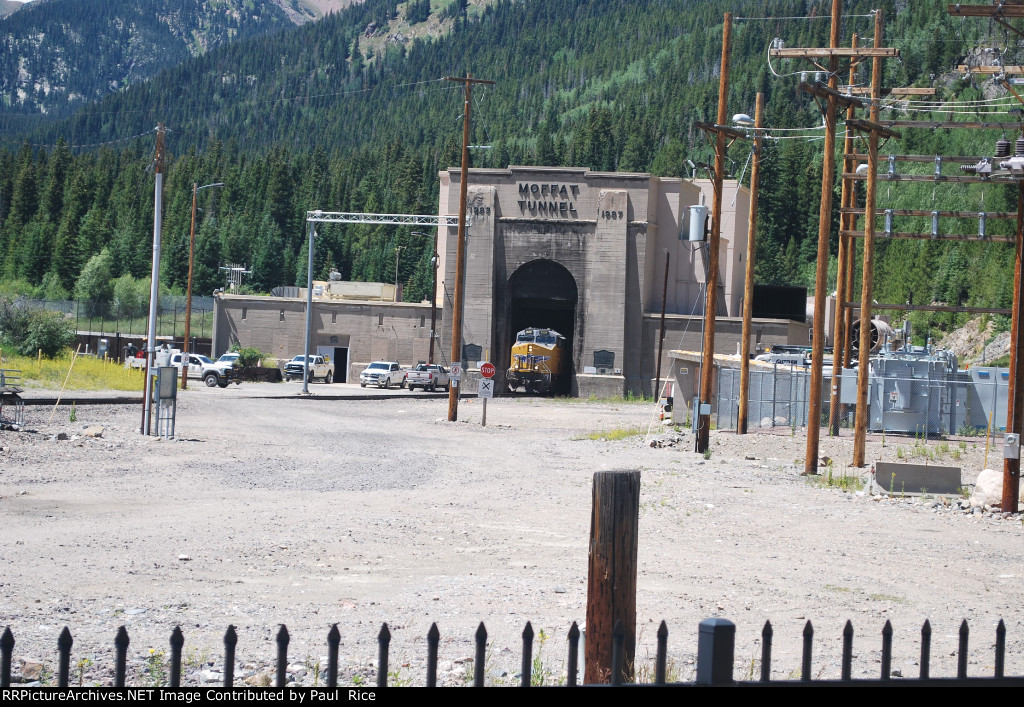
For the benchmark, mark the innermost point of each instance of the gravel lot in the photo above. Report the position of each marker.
(313, 512)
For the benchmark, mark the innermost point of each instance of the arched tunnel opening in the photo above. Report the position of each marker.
(543, 294)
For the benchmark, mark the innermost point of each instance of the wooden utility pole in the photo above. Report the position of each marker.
(154, 288)
(847, 199)
(661, 330)
(714, 238)
(460, 247)
(748, 277)
(1015, 399)
(611, 576)
(824, 233)
(867, 277)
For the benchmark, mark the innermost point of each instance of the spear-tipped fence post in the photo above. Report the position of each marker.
(177, 642)
(1000, 648)
(961, 658)
(121, 656)
(481, 655)
(6, 654)
(847, 669)
(383, 644)
(525, 670)
(574, 656)
(64, 643)
(230, 641)
(282, 656)
(433, 638)
(661, 659)
(926, 648)
(805, 664)
(333, 641)
(766, 651)
(887, 650)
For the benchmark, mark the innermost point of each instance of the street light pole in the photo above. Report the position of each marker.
(309, 308)
(433, 294)
(186, 349)
(398, 252)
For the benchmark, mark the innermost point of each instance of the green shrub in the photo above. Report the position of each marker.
(48, 331)
(249, 356)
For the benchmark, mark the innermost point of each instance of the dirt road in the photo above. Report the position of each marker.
(315, 512)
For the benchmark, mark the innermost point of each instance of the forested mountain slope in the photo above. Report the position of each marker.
(57, 55)
(314, 117)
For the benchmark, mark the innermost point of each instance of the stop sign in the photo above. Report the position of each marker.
(487, 370)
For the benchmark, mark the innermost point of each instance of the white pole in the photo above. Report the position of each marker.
(154, 287)
(309, 308)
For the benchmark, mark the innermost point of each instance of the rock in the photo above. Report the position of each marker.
(780, 421)
(766, 422)
(31, 671)
(62, 436)
(93, 431)
(211, 676)
(184, 558)
(260, 679)
(988, 490)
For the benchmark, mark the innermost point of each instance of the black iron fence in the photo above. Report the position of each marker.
(715, 658)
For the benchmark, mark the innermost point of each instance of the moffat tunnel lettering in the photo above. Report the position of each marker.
(548, 199)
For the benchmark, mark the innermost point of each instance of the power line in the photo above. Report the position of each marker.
(72, 147)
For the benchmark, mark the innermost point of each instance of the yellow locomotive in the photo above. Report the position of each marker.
(538, 360)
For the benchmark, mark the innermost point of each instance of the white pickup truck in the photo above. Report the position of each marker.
(382, 374)
(429, 376)
(319, 367)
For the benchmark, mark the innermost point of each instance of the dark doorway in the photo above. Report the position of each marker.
(543, 294)
(340, 359)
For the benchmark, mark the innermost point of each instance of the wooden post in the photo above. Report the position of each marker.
(1015, 398)
(860, 431)
(611, 579)
(824, 232)
(846, 223)
(460, 248)
(748, 277)
(707, 363)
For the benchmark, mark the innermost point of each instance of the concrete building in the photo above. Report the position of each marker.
(577, 251)
(583, 253)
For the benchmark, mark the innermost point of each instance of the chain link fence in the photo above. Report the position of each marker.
(919, 399)
(111, 318)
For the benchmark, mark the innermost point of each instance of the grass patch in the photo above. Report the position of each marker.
(89, 373)
(614, 435)
(843, 481)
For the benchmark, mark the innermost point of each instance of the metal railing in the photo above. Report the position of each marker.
(715, 657)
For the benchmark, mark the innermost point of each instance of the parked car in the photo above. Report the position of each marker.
(383, 374)
(429, 376)
(319, 367)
